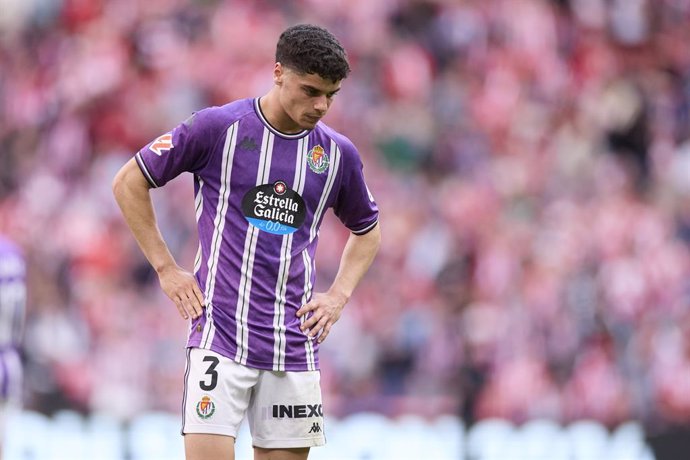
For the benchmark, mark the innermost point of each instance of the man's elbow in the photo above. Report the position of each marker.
(118, 184)
(129, 181)
(374, 237)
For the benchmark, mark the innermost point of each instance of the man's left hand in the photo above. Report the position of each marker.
(325, 310)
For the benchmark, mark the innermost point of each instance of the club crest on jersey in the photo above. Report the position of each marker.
(317, 159)
(205, 408)
(161, 144)
(274, 208)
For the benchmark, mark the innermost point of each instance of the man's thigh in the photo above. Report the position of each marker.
(281, 454)
(209, 447)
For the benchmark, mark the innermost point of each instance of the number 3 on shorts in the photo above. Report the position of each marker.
(211, 371)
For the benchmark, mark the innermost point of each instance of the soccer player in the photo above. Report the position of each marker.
(12, 305)
(265, 171)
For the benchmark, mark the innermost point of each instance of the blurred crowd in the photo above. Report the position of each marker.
(531, 159)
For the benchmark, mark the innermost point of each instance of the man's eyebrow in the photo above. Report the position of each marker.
(317, 90)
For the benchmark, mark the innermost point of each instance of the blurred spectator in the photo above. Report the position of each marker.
(531, 158)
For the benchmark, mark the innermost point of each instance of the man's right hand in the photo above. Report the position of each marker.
(182, 288)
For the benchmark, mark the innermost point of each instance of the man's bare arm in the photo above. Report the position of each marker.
(132, 193)
(326, 308)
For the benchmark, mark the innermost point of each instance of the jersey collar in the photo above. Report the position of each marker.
(260, 114)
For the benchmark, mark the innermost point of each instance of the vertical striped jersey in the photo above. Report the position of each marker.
(12, 306)
(260, 198)
(12, 294)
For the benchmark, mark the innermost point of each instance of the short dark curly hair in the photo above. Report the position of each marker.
(307, 48)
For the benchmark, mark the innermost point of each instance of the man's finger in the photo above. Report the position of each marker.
(193, 305)
(319, 325)
(306, 308)
(199, 297)
(180, 308)
(309, 322)
(188, 305)
(325, 332)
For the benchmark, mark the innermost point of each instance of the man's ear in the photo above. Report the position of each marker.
(278, 74)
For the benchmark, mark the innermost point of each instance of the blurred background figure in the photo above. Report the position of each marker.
(531, 159)
(12, 305)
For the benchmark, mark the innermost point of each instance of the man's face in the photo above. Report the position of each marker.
(305, 98)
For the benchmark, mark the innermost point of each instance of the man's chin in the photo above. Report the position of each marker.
(309, 123)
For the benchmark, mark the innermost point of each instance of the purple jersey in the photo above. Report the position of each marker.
(260, 198)
(12, 305)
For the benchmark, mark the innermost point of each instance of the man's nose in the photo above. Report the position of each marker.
(321, 104)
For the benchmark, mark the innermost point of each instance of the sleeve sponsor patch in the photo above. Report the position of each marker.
(161, 144)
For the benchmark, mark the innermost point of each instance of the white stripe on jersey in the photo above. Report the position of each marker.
(199, 206)
(245, 287)
(218, 225)
(11, 373)
(199, 199)
(308, 345)
(332, 173)
(279, 305)
(12, 311)
(197, 260)
(284, 269)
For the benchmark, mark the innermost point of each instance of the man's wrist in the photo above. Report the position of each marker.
(340, 294)
(163, 267)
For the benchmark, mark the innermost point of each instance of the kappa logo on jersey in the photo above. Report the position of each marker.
(274, 208)
(317, 159)
(162, 144)
(205, 408)
(249, 144)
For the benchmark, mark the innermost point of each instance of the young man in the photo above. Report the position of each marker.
(12, 305)
(265, 172)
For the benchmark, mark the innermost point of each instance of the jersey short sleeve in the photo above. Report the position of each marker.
(186, 148)
(354, 204)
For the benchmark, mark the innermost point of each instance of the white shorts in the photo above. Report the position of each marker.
(283, 408)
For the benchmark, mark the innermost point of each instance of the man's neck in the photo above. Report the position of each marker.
(275, 115)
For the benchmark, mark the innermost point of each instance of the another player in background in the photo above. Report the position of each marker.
(12, 305)
(266, 170)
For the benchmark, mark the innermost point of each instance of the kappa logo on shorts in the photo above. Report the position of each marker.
(317, 159)
(205, 408)
(315, 428)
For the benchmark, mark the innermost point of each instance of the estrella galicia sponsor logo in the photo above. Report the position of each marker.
(274, 208)
(317, 159)
(205, 408)
(297, 410)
